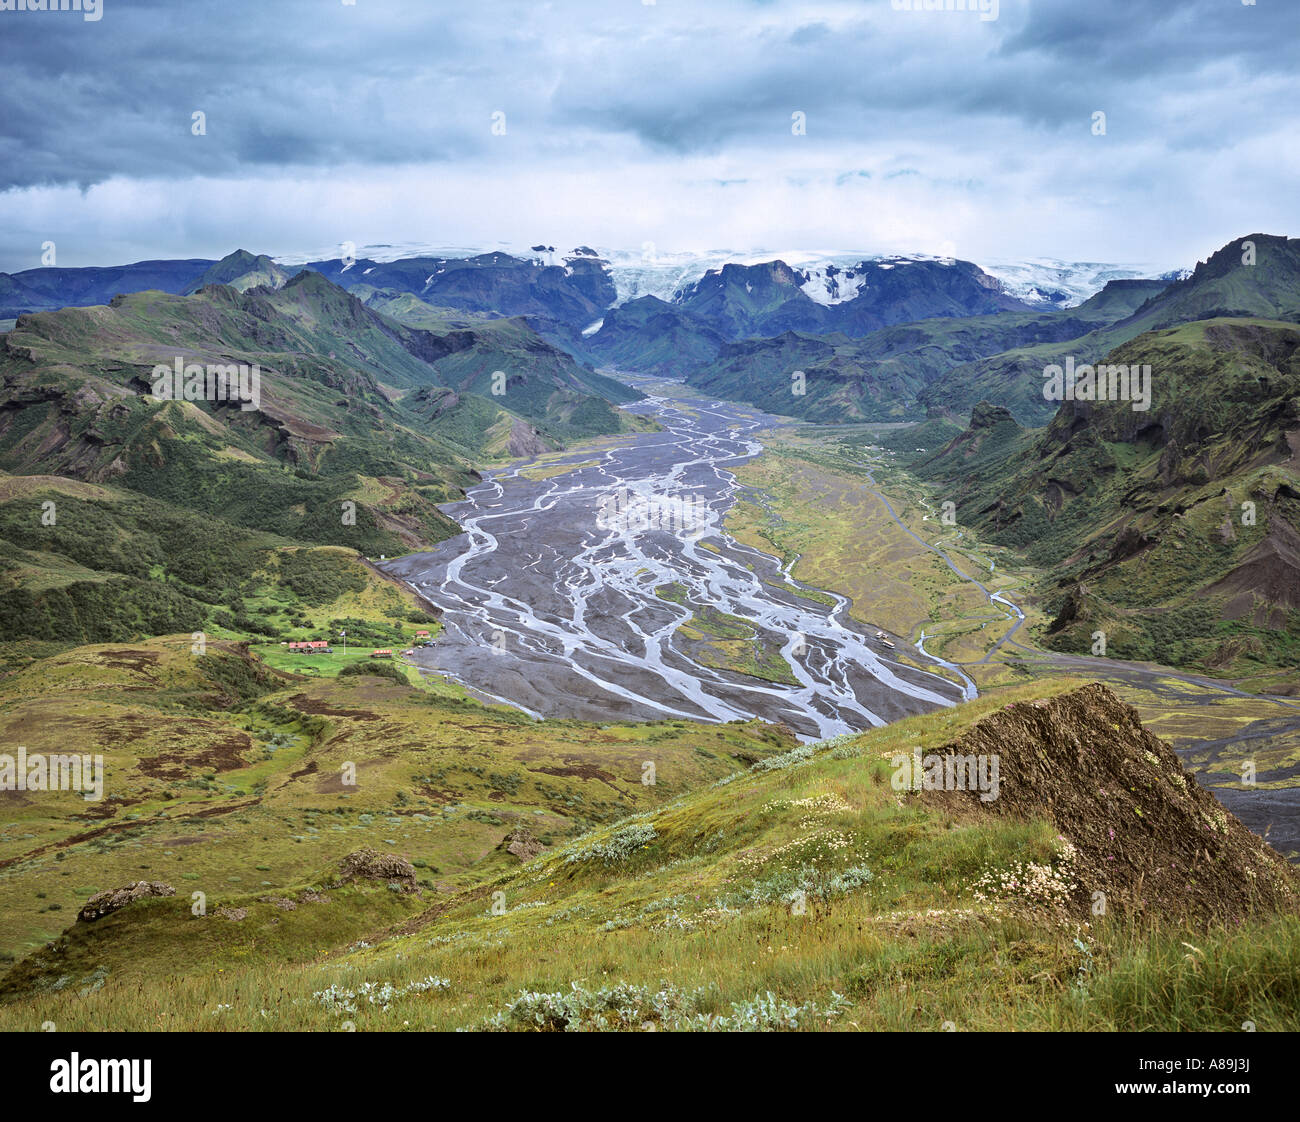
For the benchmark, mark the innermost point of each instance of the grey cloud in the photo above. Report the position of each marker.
(304, 84)
(313, 89)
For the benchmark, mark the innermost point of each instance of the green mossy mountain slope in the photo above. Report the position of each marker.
(1172, 530)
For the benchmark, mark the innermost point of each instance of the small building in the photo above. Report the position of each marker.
(421, 634)
(382, 653)
(315, 646)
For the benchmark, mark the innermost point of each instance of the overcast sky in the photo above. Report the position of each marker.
(628, 122)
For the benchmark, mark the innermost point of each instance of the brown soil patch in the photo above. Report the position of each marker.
(137, 661)
(579, 771)
(331, 782)
(425, 605)
(1265, 587)
(213, 811)
(107, 809)
(221, 755)
(318, 708)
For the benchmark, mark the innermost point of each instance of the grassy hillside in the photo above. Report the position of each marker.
(118, 565)
(837, 385)
(654, 337)
(229, 776)
(503, 360)
(803, 892)
(1171, 530)
(78, 388)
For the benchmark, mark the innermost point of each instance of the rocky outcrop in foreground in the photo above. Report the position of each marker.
(1147, 836)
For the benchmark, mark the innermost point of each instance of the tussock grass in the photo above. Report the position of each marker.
(686, 915)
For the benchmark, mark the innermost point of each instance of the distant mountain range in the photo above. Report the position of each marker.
(875, 338)
(1043, 282)
(610, 278)
(735, 328)
(46, 289)
(897, 372)
(364, 422)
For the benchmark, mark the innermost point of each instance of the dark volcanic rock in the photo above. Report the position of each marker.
(114, 899)
(370, 864)
(521, 843)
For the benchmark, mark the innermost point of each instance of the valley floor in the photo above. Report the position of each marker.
(860, 525)
(661, 874)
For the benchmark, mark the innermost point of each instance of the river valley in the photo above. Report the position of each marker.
(612, 592)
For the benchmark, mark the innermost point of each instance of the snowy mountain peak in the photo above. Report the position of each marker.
(835, 277)
(829, 276)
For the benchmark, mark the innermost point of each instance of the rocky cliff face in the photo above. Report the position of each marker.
(1148, 839)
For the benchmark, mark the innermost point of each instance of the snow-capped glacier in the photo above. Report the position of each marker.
(832, 276)
(1061, 284)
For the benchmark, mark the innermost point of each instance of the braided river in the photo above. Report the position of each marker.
(600, 593)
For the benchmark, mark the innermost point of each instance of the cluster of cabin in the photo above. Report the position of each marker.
(320, 646)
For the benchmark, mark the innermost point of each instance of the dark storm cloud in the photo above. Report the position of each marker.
(316, 83)
(293, 83)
